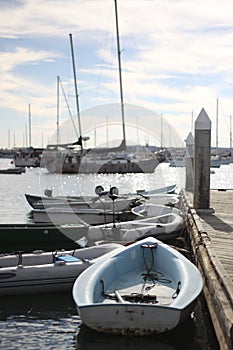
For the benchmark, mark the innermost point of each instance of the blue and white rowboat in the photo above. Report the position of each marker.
(146, 287)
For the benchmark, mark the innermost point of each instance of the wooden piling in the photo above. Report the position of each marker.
(202, 161)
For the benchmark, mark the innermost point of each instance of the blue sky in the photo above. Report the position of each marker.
(177, 57)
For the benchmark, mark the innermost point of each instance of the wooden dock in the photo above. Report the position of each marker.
(211, 235)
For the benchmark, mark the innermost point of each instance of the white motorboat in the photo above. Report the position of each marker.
(48, 200)
(147, 287)
(104, 203)
(44, 272)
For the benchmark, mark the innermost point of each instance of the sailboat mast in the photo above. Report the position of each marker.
(217, 127)
(76, 89)
(230, 133)
(120, 76)
(58, 109)
(29, 125)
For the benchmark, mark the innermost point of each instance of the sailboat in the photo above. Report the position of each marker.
(119, 160)
(102, 160)
(65, 158)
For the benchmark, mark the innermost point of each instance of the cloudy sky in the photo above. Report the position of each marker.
(177, 57)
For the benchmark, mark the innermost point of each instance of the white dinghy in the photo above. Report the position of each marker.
(147, 287)
(164, 227)
(44, 272)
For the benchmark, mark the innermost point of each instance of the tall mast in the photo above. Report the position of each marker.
(230, 133)
(26, 135)
(76, 89)
(58, 110)
(120, 77)
(9, 139)
(217, 127)
(161, 135)
(29, 125)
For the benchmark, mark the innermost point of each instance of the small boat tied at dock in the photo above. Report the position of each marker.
(101, 209)
(46, 272)
(31, 236)
(166, 224)
(48, 200)
(91, 216)
(146, 287)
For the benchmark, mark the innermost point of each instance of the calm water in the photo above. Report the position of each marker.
(51, 321)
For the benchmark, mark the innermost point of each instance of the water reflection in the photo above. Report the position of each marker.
(88, 339)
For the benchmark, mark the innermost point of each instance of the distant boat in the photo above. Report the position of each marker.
(7, 166)
(28, 157)
(215, 162)
(46, 272)
(147, 287)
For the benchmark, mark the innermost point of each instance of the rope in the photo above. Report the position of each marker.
(155, 276)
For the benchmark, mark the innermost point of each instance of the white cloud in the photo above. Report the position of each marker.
(177, 56)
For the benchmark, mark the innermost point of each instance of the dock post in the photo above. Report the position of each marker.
(189, 163)
(202, 156)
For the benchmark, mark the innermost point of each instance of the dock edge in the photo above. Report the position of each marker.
(217, 288)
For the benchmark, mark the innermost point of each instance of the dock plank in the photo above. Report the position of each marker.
(211, 236)
(219, 227)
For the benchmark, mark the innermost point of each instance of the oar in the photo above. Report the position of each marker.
(119, 298)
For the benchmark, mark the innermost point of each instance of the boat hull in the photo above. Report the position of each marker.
(46, 272)
(52, 279)
(27, 237)
(134, 321)
(129, 319)
(89, 216)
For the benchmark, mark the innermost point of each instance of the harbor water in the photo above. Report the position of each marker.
(51, 321)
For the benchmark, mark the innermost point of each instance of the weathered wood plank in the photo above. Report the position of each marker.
(212, 233)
